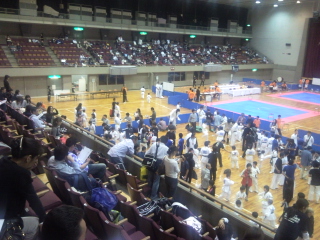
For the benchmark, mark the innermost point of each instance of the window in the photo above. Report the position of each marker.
(103, 79)
(120, 79)
(176, 76)
(116, 79)
(199, 74)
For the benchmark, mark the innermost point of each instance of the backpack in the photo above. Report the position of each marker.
(103, 200)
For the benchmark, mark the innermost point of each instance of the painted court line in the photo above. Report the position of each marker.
(280, 95)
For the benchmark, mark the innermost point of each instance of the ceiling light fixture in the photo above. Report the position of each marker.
(298, 2)
(280, 0)
(275, 5)
(257, 2)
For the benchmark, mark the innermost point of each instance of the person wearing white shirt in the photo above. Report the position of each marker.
(117, 122)
(142, 92)
(241, 195)
(226, 188)
(220, 134)
(192, 142)
(117, 110)
(178, 105)
(269, 215)
(255, 171)
(119, 151)
(171, 171)
(158, 150)
(234, 134)
(158, 90)
(173, 116)
(161, 90)
(266, 195)
(37, 122)
(234, 156)
(224, 121)
(263, 142)
(204, 152)
(201, 115)
(250, 152)
(294, 136)
(269, 145)
(308, 140)
(149, 98)
(92, 127)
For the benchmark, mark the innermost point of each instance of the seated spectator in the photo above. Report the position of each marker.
(27, 98)
(142, 153)
(36, 120)
(51, 112)
(253, 233)
(28, 111)
(16, 184)
(162, 125)
(97, 170)
(55, 130)
(18, 103)
(64, 222)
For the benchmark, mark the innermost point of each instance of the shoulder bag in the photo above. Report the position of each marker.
(151, 161)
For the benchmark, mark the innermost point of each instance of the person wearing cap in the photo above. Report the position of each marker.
(204, 152)
(120, 150)
(193, 119)
(158, 150)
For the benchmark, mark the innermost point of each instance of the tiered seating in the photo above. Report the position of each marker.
(4, 62)
(70, 52)
(31, 53)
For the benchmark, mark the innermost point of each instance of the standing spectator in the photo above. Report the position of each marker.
(124, 93)
(288, 186)
(193, 119)
(194, 82)
(213, 159)
(171, 135)
(314, 191)
(205, 177)
(6, 84)
(181, 143)
(277, 172)
(153, 116)
(306, 159)
(310, 224)
(158, 150)
(192, 142)
(241, 119)
(209, 119)
(308, 140)
(189, 157)
(171, 171)
(279, 125)
(198, 94)
(191, 95)
(119, 151)
(257, 122)
(174, 116)
(219, 145)
(51, 112)
(247, 178)
(49, 94)
(202, 80)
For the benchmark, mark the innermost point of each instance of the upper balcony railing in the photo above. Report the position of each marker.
(123, 22)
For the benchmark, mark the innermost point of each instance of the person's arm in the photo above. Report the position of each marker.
(56, 112)
(35, 202)
(75, 166)
(85, 164)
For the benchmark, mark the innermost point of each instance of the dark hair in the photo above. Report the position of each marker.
(6, 77)
(60, 152)
(143, 148)
(242, 188)
(238, 202)
(39, 104)
(22, 147)
(56, 121)
(26, 98)
(249, 165)
(255, 214)
(267, 187)
(315, 164)
(19, 99)
(71, 141)
(301, 195)
(172, 149)
(227, 172)
(62, 223)
(253, 233)
(164, 139)
(79, 106)
(16, 92)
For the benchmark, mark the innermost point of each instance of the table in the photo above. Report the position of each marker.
(209, 96)
(226, 88)
(90, 94)
(245, 91)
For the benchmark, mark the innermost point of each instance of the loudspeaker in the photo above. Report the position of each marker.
(288, 44)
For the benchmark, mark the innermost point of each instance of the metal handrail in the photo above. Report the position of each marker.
(184, 183)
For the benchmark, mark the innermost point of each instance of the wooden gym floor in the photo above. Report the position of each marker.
(162, 108)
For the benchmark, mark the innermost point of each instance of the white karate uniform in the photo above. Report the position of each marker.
(274, 157)
(178, 106)
(117, 122)
(270, 216)
(241, 196)
(282, 177)
(295, 138)
(226, 189)
(224, 121)
(142, 92)
(234, 134)
(92, 128)
(174, 116)
(149, 98)
(158, 90)
(161, 91)
(205, 131)
(249, 156)
(265, 197)
(201, 115)
(117, 111)
(204, 152)
(269, 145)
(234, 156)
(240, 130)
(264, 143)
(255, 171)
(220, 135)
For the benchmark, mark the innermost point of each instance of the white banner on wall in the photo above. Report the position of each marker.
(316, 81)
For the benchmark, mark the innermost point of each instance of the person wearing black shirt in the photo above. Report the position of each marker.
(6, 83)
(194, 83)
(249, 142)
(198, 94)
(219, 146)
(249, 120)
(124, 93)
(294, 222)
(3, 96)
(51, 112)
(189, 157)
(49, 94)
(277, 172)
(314, 191)
(171, 134)
(113, 106)
(16, 183)
(154, 129)
(245, 132)
(212, 159)
(209, 119)
(202, 80)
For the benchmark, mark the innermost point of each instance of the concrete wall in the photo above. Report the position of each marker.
(273, 28)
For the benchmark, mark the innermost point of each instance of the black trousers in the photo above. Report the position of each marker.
(279, 131)
(194, 125)
(202, 83)
(213, 174)
(124, 98)
(220, 159)
(247, 189)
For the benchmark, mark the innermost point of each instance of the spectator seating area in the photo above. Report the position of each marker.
(69, 52)
(30, 52)
(4, 62)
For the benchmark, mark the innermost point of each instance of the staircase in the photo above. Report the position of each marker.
(13, 61)
(53, 56)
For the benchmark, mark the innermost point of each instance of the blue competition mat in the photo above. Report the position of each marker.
(307, 97)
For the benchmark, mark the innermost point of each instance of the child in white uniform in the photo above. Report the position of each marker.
(142, 92)
(226, 188)
(241, 194)
(266, 195)
(250, 152)
(255, 171)
(204, 152)
(270, 216)
(234, 156)
(117, 122)
(264, 142)
(220, 134)
(149, 98)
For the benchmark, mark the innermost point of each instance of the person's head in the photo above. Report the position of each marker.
(193, 135)
(105, 116)
(64, 222)
(207, 143)
(191, 150)
(279, 116)
(249, 166)
(258, 117)
(64, 117)
(16, 92)
(143, 149)
(39, 105)
(127, 114)
(296, 131)
(193, 110)
(90, 122)
(57, 122)
(220, 128)
(255, 214)
(19, 99)
(227, 172)
(309, 133)
(34, 110)
(180, 135)
(253, 233)
(148, 93)
(134, 139)
(26, 152)
(152, 109)
(93, 110)
(266, 188)
(172, 151)
(164, 139)
(301, 195)
(242, 189)
(233, 148)
(93, 115)
(238, 203)
(315, 164)
(291, 161)
(61, 152)
(302, 204)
